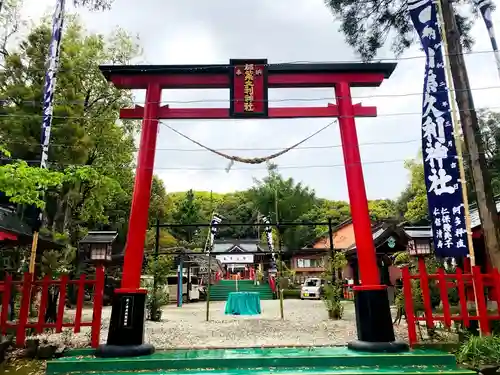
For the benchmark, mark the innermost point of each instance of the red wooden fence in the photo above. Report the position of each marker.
(28, 287)
(348, 292)
(473, 286)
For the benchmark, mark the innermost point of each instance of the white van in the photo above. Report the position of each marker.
(312, 288)
(194, 292)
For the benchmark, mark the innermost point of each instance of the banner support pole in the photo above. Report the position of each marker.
(458, 145)
(456, 131)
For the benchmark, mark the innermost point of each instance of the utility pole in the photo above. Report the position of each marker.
(472, 136)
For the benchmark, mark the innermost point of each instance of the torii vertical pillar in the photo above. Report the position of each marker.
(126, 328)
(373, 312)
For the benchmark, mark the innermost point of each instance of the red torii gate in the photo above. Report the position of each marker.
(249, 81)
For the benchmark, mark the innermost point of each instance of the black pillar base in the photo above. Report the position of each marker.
(126, 328)
(374, 321)
(118, 351)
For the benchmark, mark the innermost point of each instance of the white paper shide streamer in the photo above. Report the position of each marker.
(269, 236)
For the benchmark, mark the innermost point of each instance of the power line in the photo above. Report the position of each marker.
(380, 143)
(200, 169)
(341, 165)
(114, 118)
(229, 100)
(194, 68)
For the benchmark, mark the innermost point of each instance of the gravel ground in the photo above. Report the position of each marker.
(305, 323)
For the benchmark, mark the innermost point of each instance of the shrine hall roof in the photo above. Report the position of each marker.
(286, 68)
(235, 245)
(95, 237)
(475, 220)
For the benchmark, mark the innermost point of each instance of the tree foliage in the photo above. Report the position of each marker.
(187, 213)
(94, 4)
(489, 123)
(89, 182)
(412, 203)
(282, 200)
(91, 154)
(369, 24)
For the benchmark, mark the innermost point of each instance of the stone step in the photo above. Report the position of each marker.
(409, 370)
(259, 361)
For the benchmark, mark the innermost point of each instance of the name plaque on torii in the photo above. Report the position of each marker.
(248, 94)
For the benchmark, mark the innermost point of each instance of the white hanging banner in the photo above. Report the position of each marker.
(486, 8)
(235, 258)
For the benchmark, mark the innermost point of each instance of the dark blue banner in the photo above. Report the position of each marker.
(48, 92)
(50, 79)
(441, 170)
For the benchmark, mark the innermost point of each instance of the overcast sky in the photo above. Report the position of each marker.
(212, 32)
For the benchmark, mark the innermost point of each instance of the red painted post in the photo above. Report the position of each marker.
(410, 313)
(79, 303)
(62, 302)
(43, 304)
(426, 296)
(477, 279)
(443, 291)
(368, 268)
(97, 313)
(134, 249)
(463, 298)
(25, 309)
(467, 265)
(468, 280)
(371, 299)
(495, 282)
(7, 290)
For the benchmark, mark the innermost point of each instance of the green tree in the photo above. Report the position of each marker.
(369, 24)
(158, 202)
(10, 23)
(23, 184)
(159, 268)
(85, 130)
(167, 240)
(284, 199)
(188, 212)
(238, 207)
(94, 4)
(382, 209)
(412, 202)
(489, 123)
